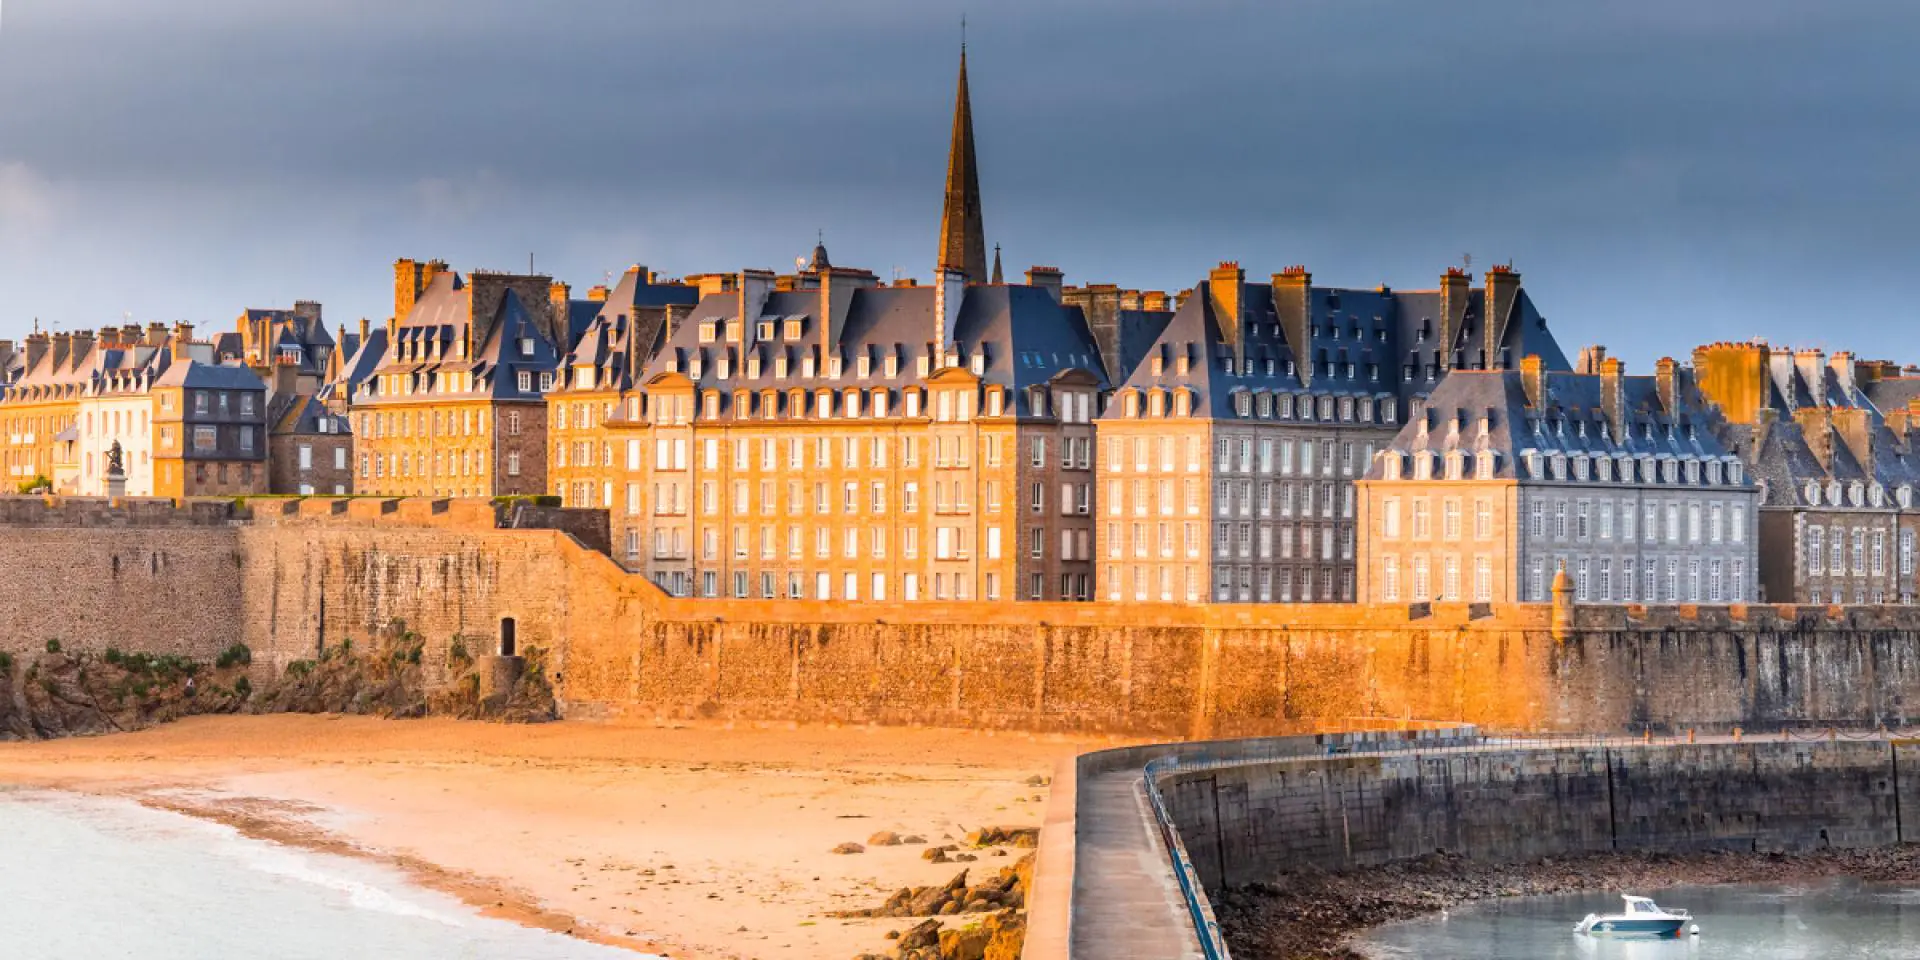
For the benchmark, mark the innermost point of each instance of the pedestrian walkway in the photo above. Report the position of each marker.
(1126, 902)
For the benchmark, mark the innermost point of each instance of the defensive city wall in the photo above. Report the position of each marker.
(287, 576)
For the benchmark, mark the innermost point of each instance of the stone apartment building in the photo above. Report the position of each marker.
(1229, 452)
(854, 441)
(453, 403)
(601, 373)
(1832, 441)
(186, 424)
(1500, 479)
(310, 448)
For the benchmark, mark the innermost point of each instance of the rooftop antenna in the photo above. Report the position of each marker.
(529, 263)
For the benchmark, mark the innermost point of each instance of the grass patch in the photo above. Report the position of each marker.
(235, 656)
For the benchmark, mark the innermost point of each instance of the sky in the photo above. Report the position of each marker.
(1662, 173)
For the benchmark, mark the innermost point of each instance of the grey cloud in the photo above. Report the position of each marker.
(1662, 173)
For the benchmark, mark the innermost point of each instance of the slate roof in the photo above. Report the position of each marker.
(603, 341)
(1380, 343)
(1850, 419)
(422, 346)
(1026, 336)
(1487, 410)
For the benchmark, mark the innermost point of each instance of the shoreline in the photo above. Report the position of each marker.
(1317, 914)
(692, 841)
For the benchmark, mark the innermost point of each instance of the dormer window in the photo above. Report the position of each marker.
(994, 402)
(1182, 403)
(780, 365)
(710, 405)
(863, 367)
(1242, 404)
(753, 365)
(1156, 404)
(1737, 474)
(1180, 364)
(1264, 405)
(806, 365)
(833, 368)
(913, 403)
(526, 346)
(793, 328)
(706, 331)
(763, 330)
(892, 365)
(1483, 464)
(1158, 364)
(1811, 493)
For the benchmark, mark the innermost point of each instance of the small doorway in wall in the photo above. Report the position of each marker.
(506, 637)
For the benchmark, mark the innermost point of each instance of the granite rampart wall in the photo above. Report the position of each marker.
(288, 576)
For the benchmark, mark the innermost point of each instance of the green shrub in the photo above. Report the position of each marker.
(39, 482)
(235, 656)
(6, 664)
(457, 650)
(53, 646)
(112, 655)
(242, 688)
(299, 668)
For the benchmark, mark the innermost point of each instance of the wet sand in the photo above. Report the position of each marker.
(697, 840)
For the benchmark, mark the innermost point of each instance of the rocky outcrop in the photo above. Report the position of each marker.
(60, 694)
(997, 925)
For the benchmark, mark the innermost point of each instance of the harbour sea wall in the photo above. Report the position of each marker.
(289, 577)
(1246, 822)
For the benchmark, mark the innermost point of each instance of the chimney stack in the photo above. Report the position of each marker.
(1226, 285)
(1530, 381)
(1503, 291)
(1663, 378)
(1454, 295)
(1590, 360)
(1292, 304)
(36, 345)
(949, 288)
(1613, 398)
(1049, 279)
(1812, 367)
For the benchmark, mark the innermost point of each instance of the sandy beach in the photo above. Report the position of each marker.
(696, 841)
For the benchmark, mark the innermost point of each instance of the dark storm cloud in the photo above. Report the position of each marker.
(1663, 173)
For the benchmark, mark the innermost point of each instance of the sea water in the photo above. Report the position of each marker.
(92, 877)
(1827, 919)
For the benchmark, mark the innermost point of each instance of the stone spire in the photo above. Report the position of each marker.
(998, 277)
(963, 240)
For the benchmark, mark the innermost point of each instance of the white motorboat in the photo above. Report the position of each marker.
(1641, 918)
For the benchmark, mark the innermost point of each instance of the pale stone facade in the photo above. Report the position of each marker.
(1229, 454)
(1503, 479)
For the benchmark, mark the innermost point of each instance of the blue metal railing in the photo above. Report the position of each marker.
(1199, 909)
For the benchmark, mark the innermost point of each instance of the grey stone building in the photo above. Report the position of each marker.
(1229, 452)
(1504, 478)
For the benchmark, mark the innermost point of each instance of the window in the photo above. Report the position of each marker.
(1450, 519)
(1389, 580)
(1482, 579)
(1389, 519)
(1816, 552)
(1483, 519)
(1422, 525)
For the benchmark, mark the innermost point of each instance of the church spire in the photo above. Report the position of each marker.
(963, 240)
(998, 277)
